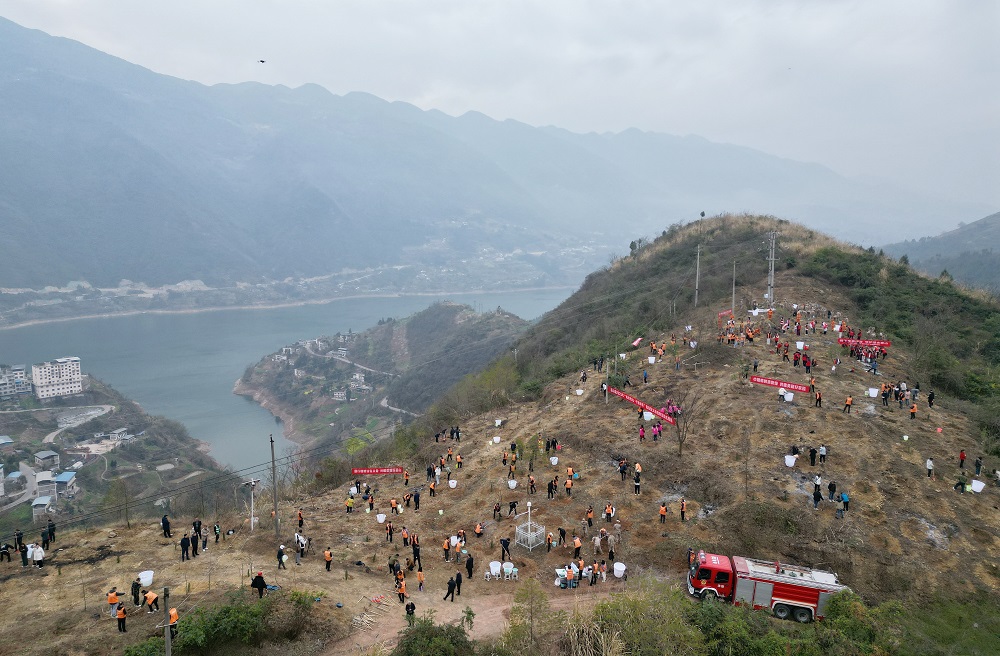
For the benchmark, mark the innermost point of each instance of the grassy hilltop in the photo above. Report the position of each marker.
(920, 556)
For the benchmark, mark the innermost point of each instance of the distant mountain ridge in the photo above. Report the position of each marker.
(970, 253)
(113, 171)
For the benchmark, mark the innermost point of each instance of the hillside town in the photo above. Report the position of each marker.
(44, 477)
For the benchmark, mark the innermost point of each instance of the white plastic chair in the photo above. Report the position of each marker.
(513, 574)
(486, 575)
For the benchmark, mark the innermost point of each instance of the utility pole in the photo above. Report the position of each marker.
(166, 622)
(274, 491)
(697, 275)
(253, 486)
(733, 305)
(515, 356)
(770, 271)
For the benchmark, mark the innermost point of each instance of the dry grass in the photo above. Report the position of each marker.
(904, 537)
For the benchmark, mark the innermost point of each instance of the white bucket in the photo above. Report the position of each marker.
(454, 540)
(512, 484)
(579, 392)
(499, 422)
(496, 440)
(380, 517)
(554, 461)
(800, 345)
(873, 392)
(622, 355)
(453, 484)
(619, 570)
(977, 486)
(495, 568)
(652, 359)
(352, 491)
(146, 578)
(790, 461)
(789, 397)
(647, 416)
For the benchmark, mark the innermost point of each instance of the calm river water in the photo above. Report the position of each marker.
(183, 366)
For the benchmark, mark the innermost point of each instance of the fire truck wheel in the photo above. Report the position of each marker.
(708, 593)
(782, 612)
(802, 615)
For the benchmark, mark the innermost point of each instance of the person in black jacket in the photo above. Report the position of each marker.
(259, 585)
(451, 589)
(281, 557)
(185, 545)
(136, 587)
(165, 523)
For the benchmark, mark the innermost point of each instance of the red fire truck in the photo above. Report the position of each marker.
(789, 591)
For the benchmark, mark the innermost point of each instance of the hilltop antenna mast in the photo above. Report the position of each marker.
(770, 270)
(697, 275)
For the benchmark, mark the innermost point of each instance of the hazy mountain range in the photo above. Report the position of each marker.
(970, 253)
(112, 171)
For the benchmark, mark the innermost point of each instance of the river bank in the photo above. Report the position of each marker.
(277, 306)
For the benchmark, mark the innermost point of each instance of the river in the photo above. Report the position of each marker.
(183, 366)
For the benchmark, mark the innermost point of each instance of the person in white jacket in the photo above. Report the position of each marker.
(38, 555)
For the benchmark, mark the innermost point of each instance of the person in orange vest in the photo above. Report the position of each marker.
(663, 513)
(531, 484)
(504, 459)
(113, 601)
(420, 579)
(608, 511)
(120, 614)
(458, 459)
(402, 590)
(447, 549)
(569, 487)
(174, 617)
(569, 577)
(819, 399)
(394, 506)
(151, 600)
(684, 507)
(577, 543)
(406, 537)
(328, 557)
(590, 515)
(569, 472)
(479, 530)
(301, 521)
(451, 452)
(913, 411)
(847, 404)
(389, 530)
(430, 486)
(548, 543)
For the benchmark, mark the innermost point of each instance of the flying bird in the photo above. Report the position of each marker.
(261, 61)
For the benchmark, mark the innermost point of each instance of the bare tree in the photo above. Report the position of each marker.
(746, 445)
(691, 405)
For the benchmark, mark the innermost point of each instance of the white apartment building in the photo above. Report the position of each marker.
(60, 377)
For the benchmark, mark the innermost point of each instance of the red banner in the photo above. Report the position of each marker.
(369, 471)
(774, 382)
(725, 312)
(642, 405)
(637, 342)
(843, 341)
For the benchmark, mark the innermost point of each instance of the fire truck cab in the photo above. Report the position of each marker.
(789, 591)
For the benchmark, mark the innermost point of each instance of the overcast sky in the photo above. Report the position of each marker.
(907, 90)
